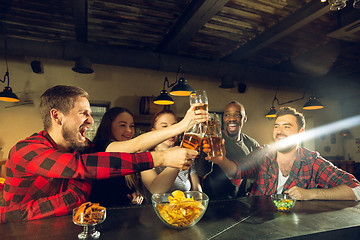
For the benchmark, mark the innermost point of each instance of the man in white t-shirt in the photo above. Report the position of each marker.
(287, 167)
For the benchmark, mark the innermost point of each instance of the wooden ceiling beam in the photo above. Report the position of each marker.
(327, 52)
(305, 15)
(118, 56)
(80, 9)
(194, 17)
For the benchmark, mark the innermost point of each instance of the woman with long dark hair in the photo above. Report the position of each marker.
(117, 124)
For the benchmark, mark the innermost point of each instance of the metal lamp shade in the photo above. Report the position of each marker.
(181, 88)
(313, 104)
(83, 65)
(8, 96)
(164, 99)
(271, 113)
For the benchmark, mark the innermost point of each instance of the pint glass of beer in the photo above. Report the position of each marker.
(199, 96)
(193, 137)
(212, 139)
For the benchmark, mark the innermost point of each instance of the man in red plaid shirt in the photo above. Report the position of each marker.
(47, 174)
(288, 168)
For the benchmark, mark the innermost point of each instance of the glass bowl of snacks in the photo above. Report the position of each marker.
(283, 202)
(180, 210)
(89, 215)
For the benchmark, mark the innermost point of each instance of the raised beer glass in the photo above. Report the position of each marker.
(213, 137)
(199, 96)
(193, 137)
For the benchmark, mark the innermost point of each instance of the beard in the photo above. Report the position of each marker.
(70, 135)
(233, 134)
(286, 149)
(283, 146)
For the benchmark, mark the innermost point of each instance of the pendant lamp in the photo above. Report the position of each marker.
(313, 104)
(181, 88)
(7, 94)
(164, 98)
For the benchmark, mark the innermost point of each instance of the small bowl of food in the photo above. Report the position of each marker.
(180, 210)
(283, 202)
(89, 215)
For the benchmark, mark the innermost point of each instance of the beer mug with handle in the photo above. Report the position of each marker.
(213, 137)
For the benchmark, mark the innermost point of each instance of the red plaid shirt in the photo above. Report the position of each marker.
(309, 171)
(42, 182)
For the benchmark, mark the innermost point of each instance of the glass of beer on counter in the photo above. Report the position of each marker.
(212, 139)
(199, 96)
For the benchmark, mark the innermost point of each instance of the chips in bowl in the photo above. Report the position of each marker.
(89, 214)
(180, 209)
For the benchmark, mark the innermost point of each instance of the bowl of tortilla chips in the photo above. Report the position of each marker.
(180, 210)
(89, 215)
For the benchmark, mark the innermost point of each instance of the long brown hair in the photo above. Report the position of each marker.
(104, 132)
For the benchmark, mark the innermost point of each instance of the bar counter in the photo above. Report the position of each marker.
(244, 218)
